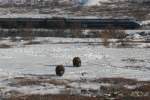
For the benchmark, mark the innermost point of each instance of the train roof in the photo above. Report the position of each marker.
(40, 17)
(46, 16)
(69, 19)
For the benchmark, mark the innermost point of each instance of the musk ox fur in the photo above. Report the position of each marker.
(60, 70)
(76, 62)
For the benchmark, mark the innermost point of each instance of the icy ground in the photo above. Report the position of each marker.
(97, 62)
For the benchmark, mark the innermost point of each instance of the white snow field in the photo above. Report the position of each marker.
(95, 2)
(97, 62)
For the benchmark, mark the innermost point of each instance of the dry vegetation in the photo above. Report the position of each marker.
(5, 46)
(112, 33)
(32, 43)
(115, 9)
(53, 97)
(25, 81)
(119, 89)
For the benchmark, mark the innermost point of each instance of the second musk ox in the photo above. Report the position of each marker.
(76, 62)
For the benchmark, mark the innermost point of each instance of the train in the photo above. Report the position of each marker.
(68, 23)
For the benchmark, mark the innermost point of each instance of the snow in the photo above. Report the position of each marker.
(146, 22)
(35, 89)
(90, 2)
(31, 15)
(26, 15)
(97, 62)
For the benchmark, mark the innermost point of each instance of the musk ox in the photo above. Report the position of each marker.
(60, 70)
(76, 62)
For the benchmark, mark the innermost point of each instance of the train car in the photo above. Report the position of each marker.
(56, 23)
(68, 23)
(103, 23)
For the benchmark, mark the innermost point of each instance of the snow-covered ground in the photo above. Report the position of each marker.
(97, 62)
(95, 2)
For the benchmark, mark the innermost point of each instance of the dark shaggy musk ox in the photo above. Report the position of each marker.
(60, 70)
(76, 62)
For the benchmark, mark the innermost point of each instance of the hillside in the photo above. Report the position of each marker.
(96, 8)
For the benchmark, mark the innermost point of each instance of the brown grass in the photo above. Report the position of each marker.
(24, 81)
(53, 97)
(133, 60)
(32, 43)
(69, 97)
(5, 46)
(135, 98)
(118, 80)
(148, 46)
(144, 88)
(116, 90)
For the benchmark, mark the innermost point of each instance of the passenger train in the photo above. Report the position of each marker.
(68, 23)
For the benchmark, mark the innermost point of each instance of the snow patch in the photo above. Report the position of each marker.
(95, 2)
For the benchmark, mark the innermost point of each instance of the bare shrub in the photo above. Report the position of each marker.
(105, 35)
(76, 29)
(76, 33)
(112, 33)
(27, 33)
(144, 88)
(119, 34)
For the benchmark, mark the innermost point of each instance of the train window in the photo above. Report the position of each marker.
(84, 25)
